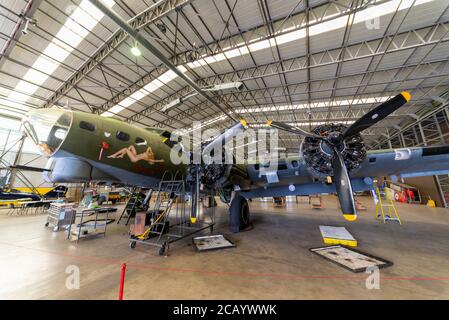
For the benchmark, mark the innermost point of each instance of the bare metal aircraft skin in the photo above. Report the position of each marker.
(86, 147)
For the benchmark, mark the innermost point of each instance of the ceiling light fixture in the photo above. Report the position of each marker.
(135, 50)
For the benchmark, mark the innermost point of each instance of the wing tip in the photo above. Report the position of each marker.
(407, 96)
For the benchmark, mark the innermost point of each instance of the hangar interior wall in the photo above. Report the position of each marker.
(13, 151)
(432, 129)
(427, 188)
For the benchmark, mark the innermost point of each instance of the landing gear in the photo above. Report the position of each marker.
(239, 214)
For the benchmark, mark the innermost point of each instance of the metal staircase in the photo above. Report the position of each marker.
(167, 194)
(170, 216)
(135, 202)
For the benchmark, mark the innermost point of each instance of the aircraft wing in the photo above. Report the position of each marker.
(405, 162)
(293, 178)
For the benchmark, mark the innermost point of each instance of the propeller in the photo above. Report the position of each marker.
(378, 113)
(289, 128)
(224, 137)
(217, 142)
(343, 187)
(335, 141)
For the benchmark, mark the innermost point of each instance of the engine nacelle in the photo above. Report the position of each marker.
(225, 175)
(221, 175)
(317, 154)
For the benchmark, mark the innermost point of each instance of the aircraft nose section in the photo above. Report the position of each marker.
(47, 128)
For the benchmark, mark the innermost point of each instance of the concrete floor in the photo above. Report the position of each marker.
(272, 261)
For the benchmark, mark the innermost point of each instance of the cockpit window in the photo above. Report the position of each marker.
(48, 128)
(60, 134)
(141, 142)
(122, 136)
(87, 126)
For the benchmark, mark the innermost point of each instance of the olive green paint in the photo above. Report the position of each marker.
(87, 144)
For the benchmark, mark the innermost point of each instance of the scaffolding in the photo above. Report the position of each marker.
(10, 170)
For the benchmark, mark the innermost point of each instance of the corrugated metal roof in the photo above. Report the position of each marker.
(263, 43)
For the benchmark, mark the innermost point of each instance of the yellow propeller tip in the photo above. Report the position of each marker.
(244, 123)
(407, 96)
(350, 217)
(193, 220)
(269, 122)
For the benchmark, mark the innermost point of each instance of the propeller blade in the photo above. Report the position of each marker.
(377, 114)
(225, 136)
(344, 187)
(216, 143)
(289, 128)
(195, 196)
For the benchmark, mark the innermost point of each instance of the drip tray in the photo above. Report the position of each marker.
(215, 242)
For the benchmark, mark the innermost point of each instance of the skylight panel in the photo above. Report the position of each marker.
(236, 52)
(87, 15)
(256, 46)
(206, 123)
(35, 76)
(45, 65)
(153, 86)
(327, 26)
(215, 58)
(157, 83)
(167, 77)
(138, 95)
(126, 102)
(108, 3)
(107, 114)
(196, 63)
(23, 86)
(317, 104)
(80, 26)
(69, 37)
(55, 51)
(116, 109)
(318, 123)
(291, 36)
(75, 29)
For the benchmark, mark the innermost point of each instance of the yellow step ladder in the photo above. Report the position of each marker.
(383, 199)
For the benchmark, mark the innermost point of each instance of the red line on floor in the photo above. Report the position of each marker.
(156, 266)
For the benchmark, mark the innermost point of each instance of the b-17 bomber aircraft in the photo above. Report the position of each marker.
(332, 159)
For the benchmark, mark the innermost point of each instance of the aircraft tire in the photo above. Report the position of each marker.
(239, 214)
